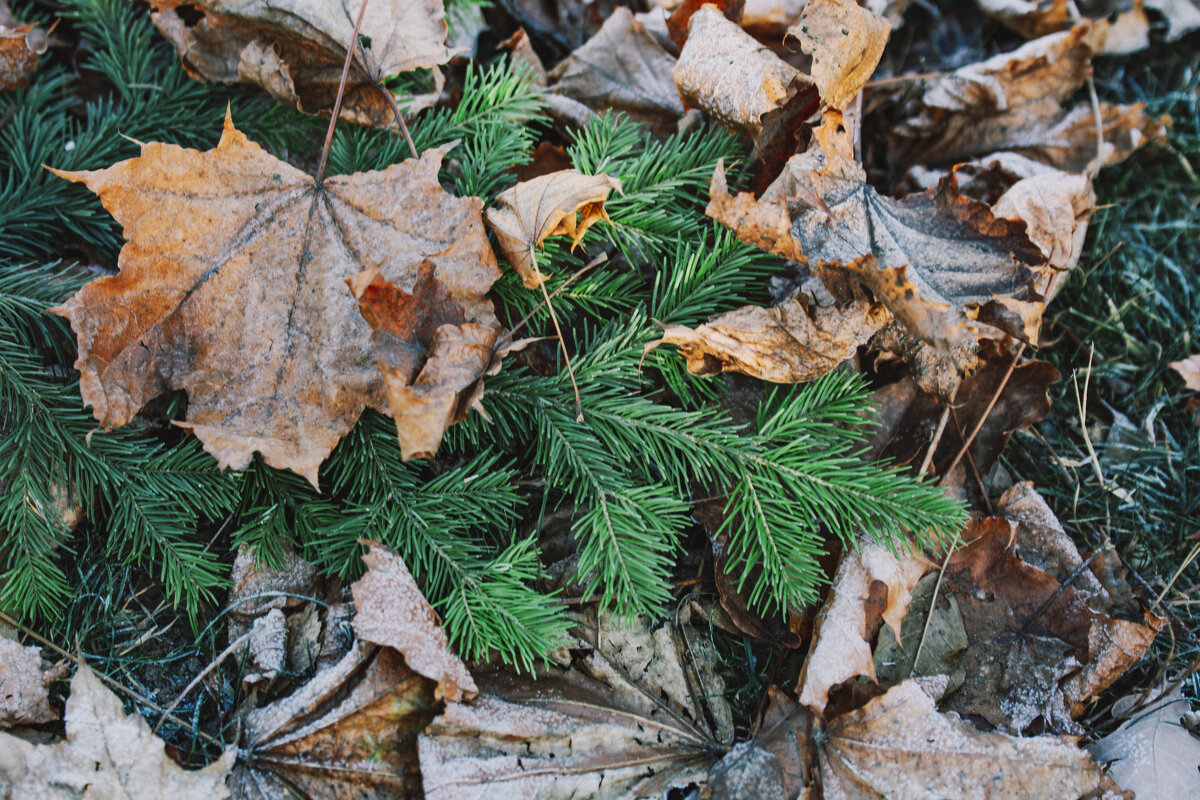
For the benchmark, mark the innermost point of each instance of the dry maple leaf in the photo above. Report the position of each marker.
(625, 720)
(392, 611)
(525, 214)
(947, 268)
(350, 732)
(1189, 370)
(845, 41)
(107, 754)
(25, 685)
(624, 68)
(20, 46)
(870, 581)
(233, 288)
(295, 49)
(430, 356)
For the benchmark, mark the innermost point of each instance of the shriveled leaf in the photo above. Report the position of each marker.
(107, 754)
(947, 268)
(266, 648)
(627, 719)
(295, 49)
(232, 287)
(845, 41)
(898, 746)
(1055, 207)
(430, 356)
(789, 343)
(561, 203)
(1030, 18)
(350, 732)
(260, 587)
(623, 68)
(872, 586)
(1189, 370)
(726, 73)
(393, 612)
(24, 685)
(20, 46)
(1019, 102)
(1153, 755)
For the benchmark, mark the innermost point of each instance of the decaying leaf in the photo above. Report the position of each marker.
(725, 72)
(789, 343)
(1019, 102)
(930, 641)
(20, 46)
(623, 68)
(431, 358)
(295, 49)
(845, 41)
(525, 214)
(392, 611)
(1183, 16)
(898, 746)
(1189, 370)
(630, 717)
(1153, 755)
(24, 685)
(350, 732)
(230, 289)
(947, 268)
(266, 648)
(872, 586)
(258, 588)
(107, 754)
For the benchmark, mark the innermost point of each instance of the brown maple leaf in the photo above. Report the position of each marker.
(20, 47)
(295, 48)
(233, 288)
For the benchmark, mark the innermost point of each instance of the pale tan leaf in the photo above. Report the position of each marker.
(233, 291)
(1153, 755)
(841, 649)
(1189, 370)
(392, 611)
(24, 685)
(295, 48)
(1183, 16)
(845, 41)
(898, 746)
(789, 343)
(566, 203)
(107, 754)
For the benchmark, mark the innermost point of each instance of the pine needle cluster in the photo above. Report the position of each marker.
(652, 442)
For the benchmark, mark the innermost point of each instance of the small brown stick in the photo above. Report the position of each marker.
(933, 602)
(916, 76)
(216, 662)
(1073, 10)
(561, 342)
(595, 262)
(341, 91)
(937, 434)
(986, 413)
(391, 101)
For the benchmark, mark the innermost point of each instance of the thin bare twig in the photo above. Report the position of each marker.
(937, 434)
(337, 103)
(234, 645)
(588, 267)
(986, 412)
(557, 329)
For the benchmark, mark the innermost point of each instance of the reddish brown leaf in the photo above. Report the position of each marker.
(245, 306)
(20, 46)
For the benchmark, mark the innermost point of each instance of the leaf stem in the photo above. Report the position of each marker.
(337, 103)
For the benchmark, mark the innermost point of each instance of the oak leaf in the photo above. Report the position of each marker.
(106, 754)
(25, 685)
(295, 49)
(565, 203)
(845, 41)
(392, 611)
(350, 732)
(20, 47)
(232, 287)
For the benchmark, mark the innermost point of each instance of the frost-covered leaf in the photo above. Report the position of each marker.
(24, 685)
(1153, 755)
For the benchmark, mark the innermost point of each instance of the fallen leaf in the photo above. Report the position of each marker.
(793, 342)
(1055, 207)
(245, 306)
(1189, 370)
(872, 585)
(1153, 755)
(349, 732)
(295, 49)
(948, 269)
(1019, 102)
(25, 684)
(258, 587)
(392, 611)
(622, 68)
(266, 648)
(930, 641)
(1183, 16)
(845, 41)
(525, 214)
(430, 356)
(630, 717)
(726, 73)
(20, 47)
(898, 746)
(107, 754)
